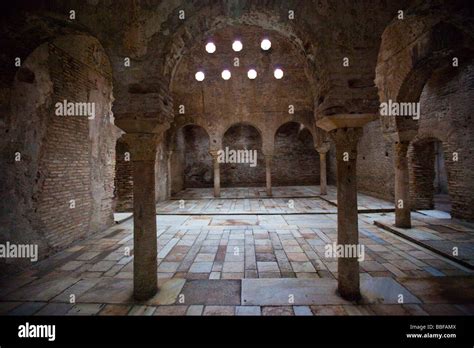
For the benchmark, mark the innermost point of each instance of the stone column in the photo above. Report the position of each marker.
(170, 154)
(268, 171)
(217, 174)
(346, 140)
(323, 150)
(402, 186)
(143, 152)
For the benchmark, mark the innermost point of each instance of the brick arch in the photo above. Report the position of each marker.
(304, 124)
(243, 123)
(67, 158)
(197, 165)
(295, 159)
(422, 157)
(410, 51)
(242, 174)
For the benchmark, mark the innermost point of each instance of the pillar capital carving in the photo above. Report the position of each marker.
(346, 137)
(323, 148)
(214, 153)
(143, 146)
(401, 148)
(330, 123)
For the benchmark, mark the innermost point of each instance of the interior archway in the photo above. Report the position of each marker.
(243, 163)
(295, 160)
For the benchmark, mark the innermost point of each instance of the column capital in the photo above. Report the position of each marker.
(214, 153)
(330, 123)
(346, 137)
(142, 146)
(323, 148)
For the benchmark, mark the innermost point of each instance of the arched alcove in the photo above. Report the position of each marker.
(242, 139)
(295, 160)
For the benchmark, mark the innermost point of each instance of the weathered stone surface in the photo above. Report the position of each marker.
(303, 291)
(212, 292)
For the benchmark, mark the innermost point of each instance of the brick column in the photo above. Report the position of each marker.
(402, 186)
(323, 150)
(143, 152)
(268, 172)
(346, 140)
(217, 174)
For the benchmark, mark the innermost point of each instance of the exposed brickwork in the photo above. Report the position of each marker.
(422, 155)
(375, 163)
(446, 116)
(295, 161)
(198, 161)
(242, 137)
(68, 162)
(123, 178)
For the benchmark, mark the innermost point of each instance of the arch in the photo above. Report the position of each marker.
(190, 164)
(411, 50)
(295, 156)
(302, 124)
(45, 142)
(427, 164)
(242, 123)
(248, 169)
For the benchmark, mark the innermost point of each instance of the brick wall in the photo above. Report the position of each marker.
(446, 116)
(123, 179)
(198, 169)
(241, 137)
(295, 161)
(375, 175)
(62, 189)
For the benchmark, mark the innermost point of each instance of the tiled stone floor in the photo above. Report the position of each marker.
(254, 200)
(448, 237)
(250, 264)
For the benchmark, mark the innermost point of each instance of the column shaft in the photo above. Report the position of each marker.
(402, 186)
(346, 140)
(143, 152)
(323, 173)
(217, 174)
(268, 172)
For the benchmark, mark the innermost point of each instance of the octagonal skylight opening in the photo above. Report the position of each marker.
(265, 44)
(200, 76)
(226, 74)
(237, 46)
(210, 47)
(252, 74)
(278, 73)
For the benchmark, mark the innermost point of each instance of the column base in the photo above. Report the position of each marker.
(145, 294)
(348, 294)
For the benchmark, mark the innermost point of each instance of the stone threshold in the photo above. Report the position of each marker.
(399, 232)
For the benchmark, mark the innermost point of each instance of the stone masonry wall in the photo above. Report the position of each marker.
(295, 161)
(62, 188)
(446, 115)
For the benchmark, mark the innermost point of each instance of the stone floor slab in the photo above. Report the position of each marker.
(291, 291)
(212, 292)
